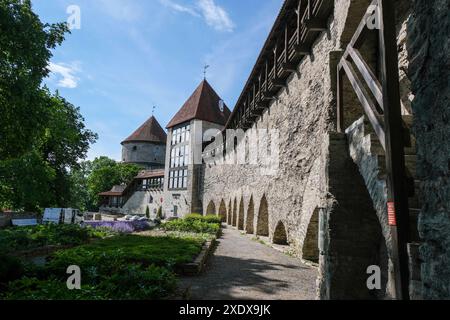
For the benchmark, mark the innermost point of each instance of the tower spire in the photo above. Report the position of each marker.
(205, 68)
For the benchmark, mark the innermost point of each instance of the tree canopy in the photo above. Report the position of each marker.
(42, 135)
(25, 51)
(94, 177)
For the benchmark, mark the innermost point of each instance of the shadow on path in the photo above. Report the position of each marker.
(244, 269)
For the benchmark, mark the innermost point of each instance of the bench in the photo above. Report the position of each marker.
(24, 222)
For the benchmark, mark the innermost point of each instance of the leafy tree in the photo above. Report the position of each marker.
(159, 214)
(25, 51)
(106, 173)
(66, 142)
(42, 177)
(42, 136)
(79, 188)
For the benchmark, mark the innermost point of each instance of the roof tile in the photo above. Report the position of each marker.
(202, 105)
(150, 131)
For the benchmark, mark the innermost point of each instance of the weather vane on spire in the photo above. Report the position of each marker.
(205, 68)
(153, 111)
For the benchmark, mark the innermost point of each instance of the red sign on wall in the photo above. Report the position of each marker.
(392, 218)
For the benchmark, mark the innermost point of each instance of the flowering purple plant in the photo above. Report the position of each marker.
(120, 226)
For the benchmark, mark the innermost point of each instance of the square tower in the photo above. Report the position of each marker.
(202, 111)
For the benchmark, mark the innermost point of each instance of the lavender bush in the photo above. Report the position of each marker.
(120, 226)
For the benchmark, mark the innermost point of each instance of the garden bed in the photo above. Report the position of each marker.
(120, 226)
(197, 266)
(27, 239)
(132, 266)
(116, 265)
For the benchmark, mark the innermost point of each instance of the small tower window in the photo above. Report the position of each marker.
(134, 148)
(221, 105)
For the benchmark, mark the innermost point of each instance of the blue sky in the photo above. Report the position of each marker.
(131, 55)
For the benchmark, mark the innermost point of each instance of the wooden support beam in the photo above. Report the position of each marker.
(366, 101)
(371, 81)
(275, 59)
(268, 97)
(316, 24)
(298, 12)
(289, 66)
(277, 82)
(286, 44)
(267, 76)
(395, 156)
(302, 50)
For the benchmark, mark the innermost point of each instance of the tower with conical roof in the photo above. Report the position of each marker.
(203, 110)
(146, 146)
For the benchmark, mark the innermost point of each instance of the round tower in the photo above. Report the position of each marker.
(146, 146)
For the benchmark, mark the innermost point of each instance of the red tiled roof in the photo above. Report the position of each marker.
(146, 174)
(115, 191)
(202, 105)
(150, 131)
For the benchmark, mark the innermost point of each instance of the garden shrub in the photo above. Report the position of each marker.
(121, 267)
(23, 238)
(49, 289)
(207, 219)
(10, 268)
(191, 225)
(110, 255)
(134, 282)
(131, 282)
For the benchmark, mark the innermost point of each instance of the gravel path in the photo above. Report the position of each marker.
(245, 269)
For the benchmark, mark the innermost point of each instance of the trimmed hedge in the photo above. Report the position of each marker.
(194, 223)
(207, 219)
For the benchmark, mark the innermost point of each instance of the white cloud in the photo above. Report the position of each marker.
(122, 10)
(66, 74)
(214, 15)
(180, 8)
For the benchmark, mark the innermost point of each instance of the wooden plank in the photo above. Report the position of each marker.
(361, 31)
(395, 157)
(372, 82)
(340, 100)
(366, 101)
